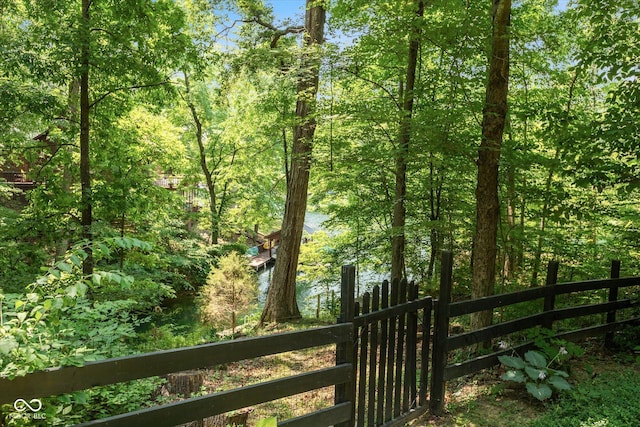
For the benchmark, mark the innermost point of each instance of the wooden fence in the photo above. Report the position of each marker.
(382, 354)
(69, 379)
(546, 316)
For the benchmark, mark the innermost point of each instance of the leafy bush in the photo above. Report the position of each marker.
(60, 322)
(231, 288)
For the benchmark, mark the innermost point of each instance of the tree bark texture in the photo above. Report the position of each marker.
(281, 304)
(85, 171)
(402, 154)
(493, 121)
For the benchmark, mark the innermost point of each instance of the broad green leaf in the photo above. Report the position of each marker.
(19, 303)
(514, 375)
(559, 373)
(22, 316)
(75, 260)
(536, 359)
(559, 383)
(512, 362)
(539, 391)
(535, 373)
(67, 268)
(104, 249)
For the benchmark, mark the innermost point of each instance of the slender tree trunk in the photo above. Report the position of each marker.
(510, 264)
(62, 242)
(85, 171)
(493, 121)
(281, 304)
(435, 237)
(537, 257)
(402, 155)
(208, 174)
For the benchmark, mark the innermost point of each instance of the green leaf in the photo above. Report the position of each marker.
(19, 303)
(559, 373)
(559, 383)
(534, 373)
(539, 391)
(75, 260)
(512, 362)
(7, 345)
(67, 268)
(22, 316)
(514, 375)
(536, 359)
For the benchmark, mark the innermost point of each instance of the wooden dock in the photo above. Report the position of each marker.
(263, 259)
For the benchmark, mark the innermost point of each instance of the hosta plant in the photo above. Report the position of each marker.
(535, 372)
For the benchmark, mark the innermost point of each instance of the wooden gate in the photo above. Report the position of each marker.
(388, 354)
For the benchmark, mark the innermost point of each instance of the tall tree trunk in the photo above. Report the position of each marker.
(402, 154)
(281, 304)
(493, 121)
(85, 171)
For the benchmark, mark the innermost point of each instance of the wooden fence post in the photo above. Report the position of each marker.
(440, 334)
(613, 296)
(345, 351)
(550, 298)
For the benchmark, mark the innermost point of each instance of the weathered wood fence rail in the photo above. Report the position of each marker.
(382, 376)
(445, 310)
(69, 379)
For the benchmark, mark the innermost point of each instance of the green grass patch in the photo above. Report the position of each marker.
(609, 399)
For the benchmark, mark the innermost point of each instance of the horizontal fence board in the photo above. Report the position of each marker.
(509, 327)
(487, 303)
(596, 330)
(493, 331)
(393, 311)
(586, 310)
(201, 407)
(404, 418)
(482, 362)
(487, 361)
(68, 379)
(592, 285)
(322, 418)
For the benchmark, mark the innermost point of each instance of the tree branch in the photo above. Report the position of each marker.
(118, 89)
(277, 32)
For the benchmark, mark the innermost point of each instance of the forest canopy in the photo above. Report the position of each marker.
(179, 124)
